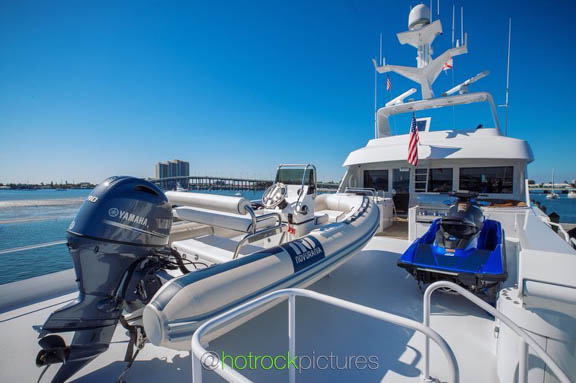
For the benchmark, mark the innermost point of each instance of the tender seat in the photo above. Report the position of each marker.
(230, 221)
(212, 248)
(321, 219)
(335, 206)
(331, 216)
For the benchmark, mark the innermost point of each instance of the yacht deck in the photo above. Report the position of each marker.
(370, 278)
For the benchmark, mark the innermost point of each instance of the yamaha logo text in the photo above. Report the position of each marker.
(127, 216)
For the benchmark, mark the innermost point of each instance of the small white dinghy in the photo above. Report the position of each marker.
(294, 238)
(131, 259)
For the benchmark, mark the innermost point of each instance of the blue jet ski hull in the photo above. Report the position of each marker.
(477, 268)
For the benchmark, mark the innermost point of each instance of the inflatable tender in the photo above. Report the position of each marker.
(342, 226)
(163, 263)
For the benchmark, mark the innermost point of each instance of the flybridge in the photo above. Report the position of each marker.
(383, 114)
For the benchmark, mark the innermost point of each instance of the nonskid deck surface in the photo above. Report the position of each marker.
(336, 339)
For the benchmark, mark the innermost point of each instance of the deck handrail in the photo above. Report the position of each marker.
(226, 372)
(527, 340)
(571, 241)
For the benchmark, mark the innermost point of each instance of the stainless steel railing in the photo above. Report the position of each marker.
(527, 340)
(231, 375)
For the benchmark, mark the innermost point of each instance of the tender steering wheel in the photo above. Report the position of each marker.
(274, 195)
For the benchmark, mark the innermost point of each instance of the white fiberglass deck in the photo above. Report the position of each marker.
(370, 278)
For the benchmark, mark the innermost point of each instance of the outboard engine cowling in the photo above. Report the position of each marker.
(115, 241)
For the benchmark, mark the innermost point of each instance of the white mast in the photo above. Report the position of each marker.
(421, 35)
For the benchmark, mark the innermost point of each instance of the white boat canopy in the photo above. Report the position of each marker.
(445, 144)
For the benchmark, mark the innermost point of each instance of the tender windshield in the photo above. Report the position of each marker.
(466, 117)
(293, 176)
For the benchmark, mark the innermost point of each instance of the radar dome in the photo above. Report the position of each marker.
(419, 16)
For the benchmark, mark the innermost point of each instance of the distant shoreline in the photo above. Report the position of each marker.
(40, 202)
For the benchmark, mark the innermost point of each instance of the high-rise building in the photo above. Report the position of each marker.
(176, 168)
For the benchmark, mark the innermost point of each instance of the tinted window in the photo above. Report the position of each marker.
(292, 176)
(487, 180)
(377, 179)
(440, 180)
(401, 180)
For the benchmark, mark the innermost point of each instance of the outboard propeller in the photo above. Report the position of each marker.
(118, 245)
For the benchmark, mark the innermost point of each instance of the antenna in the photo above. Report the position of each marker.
(508, 75)
(462, 25)
(453, 17)
(376, 92)
(462, 88)
(400, 99)
(380, 48)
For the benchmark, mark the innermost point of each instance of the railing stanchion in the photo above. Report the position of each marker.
(196, 368)
(523, 363)
(232, 375)
(426, 322)
(526, 339)
(292, 334)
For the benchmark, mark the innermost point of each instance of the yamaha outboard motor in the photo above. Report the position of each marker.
(116, 242)
(462, 224)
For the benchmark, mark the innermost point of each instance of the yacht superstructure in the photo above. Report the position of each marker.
(367, 309)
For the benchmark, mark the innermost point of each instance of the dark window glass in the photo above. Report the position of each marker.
(487, 180)
(291, 176)
(401, 180)
(440, 180)
(377, 179)
(421, 125)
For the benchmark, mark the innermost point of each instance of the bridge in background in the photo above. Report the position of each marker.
(222, 183)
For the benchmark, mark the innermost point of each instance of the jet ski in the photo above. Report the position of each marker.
(463, 247)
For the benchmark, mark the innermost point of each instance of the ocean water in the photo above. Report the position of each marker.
(563, 206)
(31, 224)
(28, 225)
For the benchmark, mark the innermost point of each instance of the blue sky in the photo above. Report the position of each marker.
(92, 89)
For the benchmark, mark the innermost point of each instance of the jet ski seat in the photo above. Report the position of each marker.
(489, 236)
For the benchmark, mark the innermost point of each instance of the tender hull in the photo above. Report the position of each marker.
(186, 302)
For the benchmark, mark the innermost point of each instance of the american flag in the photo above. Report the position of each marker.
(388, 83)
(413, 143)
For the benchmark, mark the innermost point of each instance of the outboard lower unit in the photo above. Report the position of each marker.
(117, 243)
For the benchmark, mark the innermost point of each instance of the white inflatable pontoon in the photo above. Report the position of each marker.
(292, 239)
